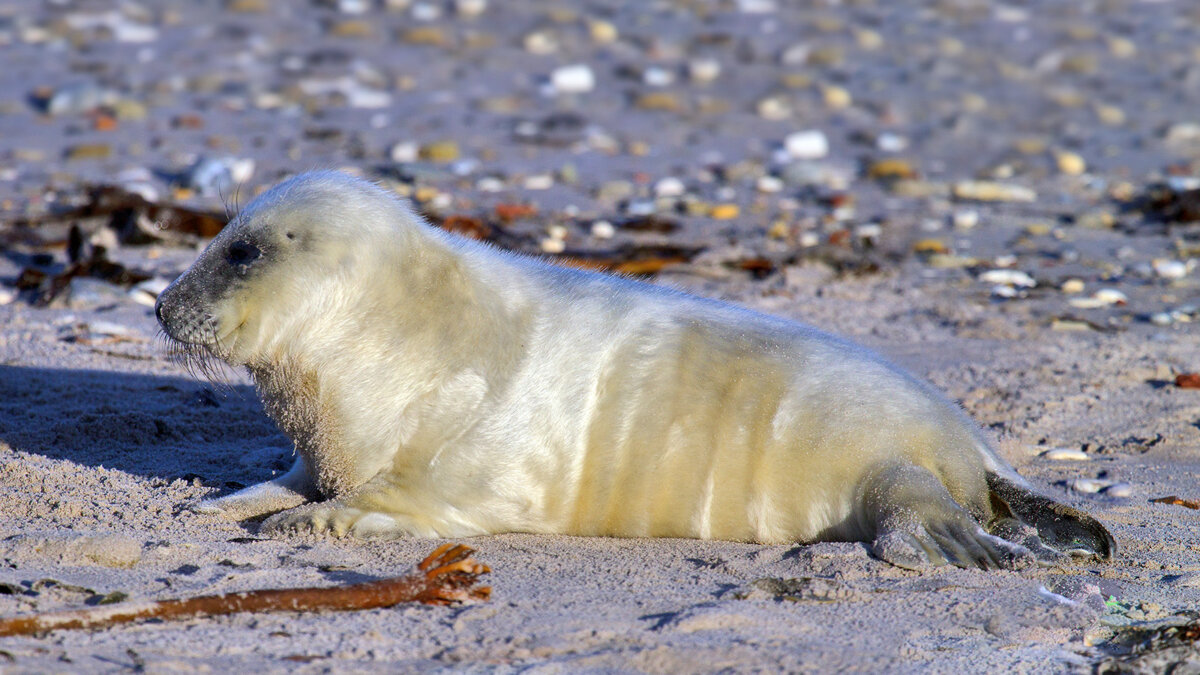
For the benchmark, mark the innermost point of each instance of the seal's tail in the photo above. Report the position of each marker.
(1058, 526)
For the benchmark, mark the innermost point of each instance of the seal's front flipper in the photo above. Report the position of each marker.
(379, 508)
(287, 491)
(918, 524)
(1060, 528)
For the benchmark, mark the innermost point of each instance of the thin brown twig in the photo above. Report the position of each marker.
(1178, 501)
(446, 576)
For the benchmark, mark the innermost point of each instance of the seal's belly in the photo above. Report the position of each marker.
(706, 435)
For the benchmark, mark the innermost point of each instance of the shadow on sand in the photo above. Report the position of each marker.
(150, 425)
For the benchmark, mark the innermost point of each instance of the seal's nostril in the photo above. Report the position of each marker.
(158, 311)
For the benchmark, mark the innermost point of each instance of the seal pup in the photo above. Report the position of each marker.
(439, 387)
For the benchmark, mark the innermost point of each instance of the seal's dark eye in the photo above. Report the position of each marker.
(243, 253)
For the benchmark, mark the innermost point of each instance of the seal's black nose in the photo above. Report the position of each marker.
(158, 311)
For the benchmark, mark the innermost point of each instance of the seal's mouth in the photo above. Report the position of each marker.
(203, 354)
(198, 359)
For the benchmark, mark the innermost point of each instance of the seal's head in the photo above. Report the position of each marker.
(286, 256)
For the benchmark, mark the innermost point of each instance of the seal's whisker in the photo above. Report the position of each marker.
(237, 206)
(198, 361)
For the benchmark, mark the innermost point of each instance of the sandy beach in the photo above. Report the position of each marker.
(1002, 198)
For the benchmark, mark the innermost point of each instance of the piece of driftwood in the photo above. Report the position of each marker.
(1178, 501)
(446, 577)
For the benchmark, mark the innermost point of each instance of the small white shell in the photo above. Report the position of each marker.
(553, 246)
(1119, 490)
(1088, 485)
(1066, 454)
(1015, 278)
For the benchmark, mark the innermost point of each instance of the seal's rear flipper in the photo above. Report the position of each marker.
(917, 524)
(1059, 527)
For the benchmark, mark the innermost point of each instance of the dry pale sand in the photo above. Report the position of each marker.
(780, 137)
(97, 436)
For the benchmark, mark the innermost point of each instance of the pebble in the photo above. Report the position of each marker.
(757, 6)
(768, 184)
(405, 152)
(890, 142)
(868, 232)
(217, 176)
(1119, 490)
(540, 42)
(490, 184)
(89, 151)
(1070, 325)
(248, 6)
(1184, 314)
(78, 98)
(774, 108)
(428, 36)
(602, 32)
(991, 191)
(891, 169)
(1010, 278)
(1101, 298)
(724, 211)
(553, 246)
(470, 8)
(439, 151)
(614, 190)
(641, 207)
(1096, 220)
(1169, 269)
(811, 144)
(868, 39)
(538, 181)
(602, 229)
(704, 69)
(669, 187)
(658, 100)
(1070, 163)
(357, 29)
(1121, 47)
(349, 6)
(964, 219)
(655, 76)
(129, 110)
(827, 56)
(358, 96)
(1182, 134)
(1072, 286)
(147, 292)
(425, 12)
(1111, 115)
(1089, 485)
(836, 97)
(930, 247)
(573, 79)
(1066, 454)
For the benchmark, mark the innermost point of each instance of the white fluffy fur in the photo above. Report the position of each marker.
(436, 386)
